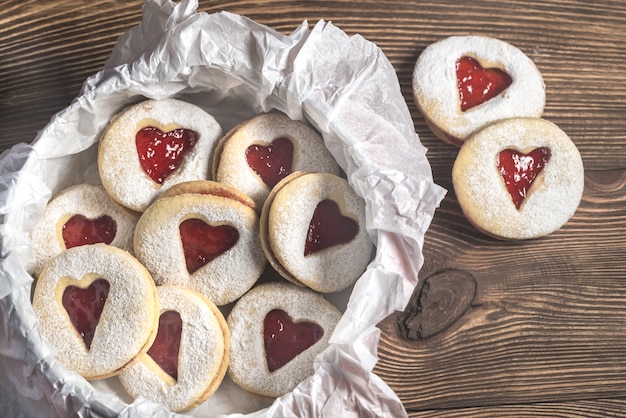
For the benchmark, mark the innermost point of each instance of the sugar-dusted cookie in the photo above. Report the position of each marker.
(153, 145)
(257, 154)
(519, 178)
(98, 306)
(206, 242)
(277, 329)
(188, 359)
(80, 215)
(313, 231)
(463, 83)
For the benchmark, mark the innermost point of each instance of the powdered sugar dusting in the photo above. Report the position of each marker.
(119, 166)
(91, 201)
(203, 353)
(436, 91)
(552, 199)
(334, 268)
(310, 153)
(158, 246)
(248, 366)
(128, 318)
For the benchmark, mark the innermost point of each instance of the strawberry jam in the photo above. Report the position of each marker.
(166, 345)
(161, 153)
(520, 170)
(84, 307)
(79, 230)
(285, 339)
(271, 163)
(477, 84)
(203, 243)
(328, 227)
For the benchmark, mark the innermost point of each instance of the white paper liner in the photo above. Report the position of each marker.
(235, 69)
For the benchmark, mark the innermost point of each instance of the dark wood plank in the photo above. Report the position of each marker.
(546, 320)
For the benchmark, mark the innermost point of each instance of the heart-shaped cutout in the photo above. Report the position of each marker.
(328, 227)
(203, 243)
(520, 170)
(477, 84)
(285, 339)
(271, 163)
(161, 153)
(166, 346)
(80, 230)
(84, 307)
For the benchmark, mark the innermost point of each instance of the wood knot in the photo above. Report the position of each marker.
(444, 297)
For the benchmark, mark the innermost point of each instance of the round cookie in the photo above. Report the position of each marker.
(519, 178)
(208, 243)
(463, 83)
(79, 215)
(257, 154)
(277, 330)
(153, 145)
(98, 306)
(188, 359)
(313, 231)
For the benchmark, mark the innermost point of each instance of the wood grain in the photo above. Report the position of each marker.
(534, 328)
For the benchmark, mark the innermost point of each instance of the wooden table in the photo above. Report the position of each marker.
(494, 328)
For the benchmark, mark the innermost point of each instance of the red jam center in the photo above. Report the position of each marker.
(271, 163)
(79, 230)
(161, 153)
(328, 227)
(285, 339)
(166, 345)
(477, 84)
(84, 307)
(520, 170)
(203, 243)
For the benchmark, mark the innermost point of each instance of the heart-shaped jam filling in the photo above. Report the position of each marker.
(161, 153)
(84, 307)
(477, 84)
(285, 339)
(79, 230)
(271, 163)
(328, 227)
(166, 345)
(520, 170)
(203, 243)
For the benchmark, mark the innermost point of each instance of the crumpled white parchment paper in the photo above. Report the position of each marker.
(235, 69)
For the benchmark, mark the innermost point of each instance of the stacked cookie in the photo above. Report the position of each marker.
(516, 176)
(135, 276)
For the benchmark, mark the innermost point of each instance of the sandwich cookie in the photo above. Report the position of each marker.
(463, 83)
(98, 306)
(188, 359)
(153, 145)
(277, 330)
(81, 215)
(313, 231)
(256, 155)
(206, 242)
(519, 178)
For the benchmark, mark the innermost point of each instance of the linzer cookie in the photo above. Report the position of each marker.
(257, 154)
(98, 306)
(153, 145)
(463, 83)
(206, 242)
(277, 329)
(313, 231)
(188, 359)
(519, 178)
(80, 215)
